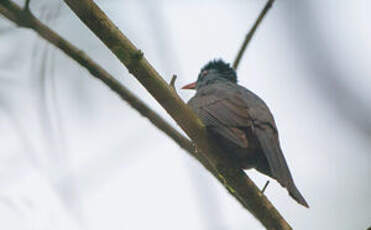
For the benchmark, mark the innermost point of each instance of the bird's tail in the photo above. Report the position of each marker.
(294, 193)
(278, 167)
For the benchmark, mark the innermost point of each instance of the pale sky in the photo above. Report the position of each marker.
(74, 156)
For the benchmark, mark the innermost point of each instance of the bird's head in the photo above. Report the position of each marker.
(213, 72)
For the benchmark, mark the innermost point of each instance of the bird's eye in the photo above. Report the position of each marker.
(204, 73)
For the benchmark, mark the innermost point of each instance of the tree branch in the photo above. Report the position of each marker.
(251, 33)
(234, 179)
(27, 5)
(15, 14)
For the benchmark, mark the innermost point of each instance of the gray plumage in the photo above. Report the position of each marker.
(242, 123)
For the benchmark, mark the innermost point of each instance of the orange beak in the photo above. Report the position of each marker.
(190, 86)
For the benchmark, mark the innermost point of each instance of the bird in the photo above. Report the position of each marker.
(241, 122)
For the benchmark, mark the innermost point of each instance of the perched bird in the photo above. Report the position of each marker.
(241, 122)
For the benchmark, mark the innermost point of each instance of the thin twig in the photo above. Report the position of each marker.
(172, 82)
(251, 33)
(27, 5)
(265, 186)
(17, 15)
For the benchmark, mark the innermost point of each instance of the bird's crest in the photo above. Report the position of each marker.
(222, 67)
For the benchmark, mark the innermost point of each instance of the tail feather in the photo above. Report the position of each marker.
(279, 169)
(296, 195)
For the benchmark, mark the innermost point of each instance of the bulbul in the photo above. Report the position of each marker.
(241, 122)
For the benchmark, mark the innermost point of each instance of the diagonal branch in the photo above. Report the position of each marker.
(237, 183)
(26, 19)
(251, 33)
(233, 178)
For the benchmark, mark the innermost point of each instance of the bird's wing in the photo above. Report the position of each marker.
(222, 115)
(229, 112)
(266, 131)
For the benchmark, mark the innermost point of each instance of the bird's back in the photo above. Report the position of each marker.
(245, 127)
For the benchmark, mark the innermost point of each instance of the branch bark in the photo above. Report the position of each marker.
(27, 20)
(234, 179)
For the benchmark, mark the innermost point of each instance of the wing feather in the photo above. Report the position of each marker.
(223, 117)
(230, 112)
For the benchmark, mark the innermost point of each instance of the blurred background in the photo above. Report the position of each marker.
(75, 156)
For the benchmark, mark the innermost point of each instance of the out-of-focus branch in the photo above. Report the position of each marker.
(233, 178)
(251, 33)
(26, 19)
(326, 75)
